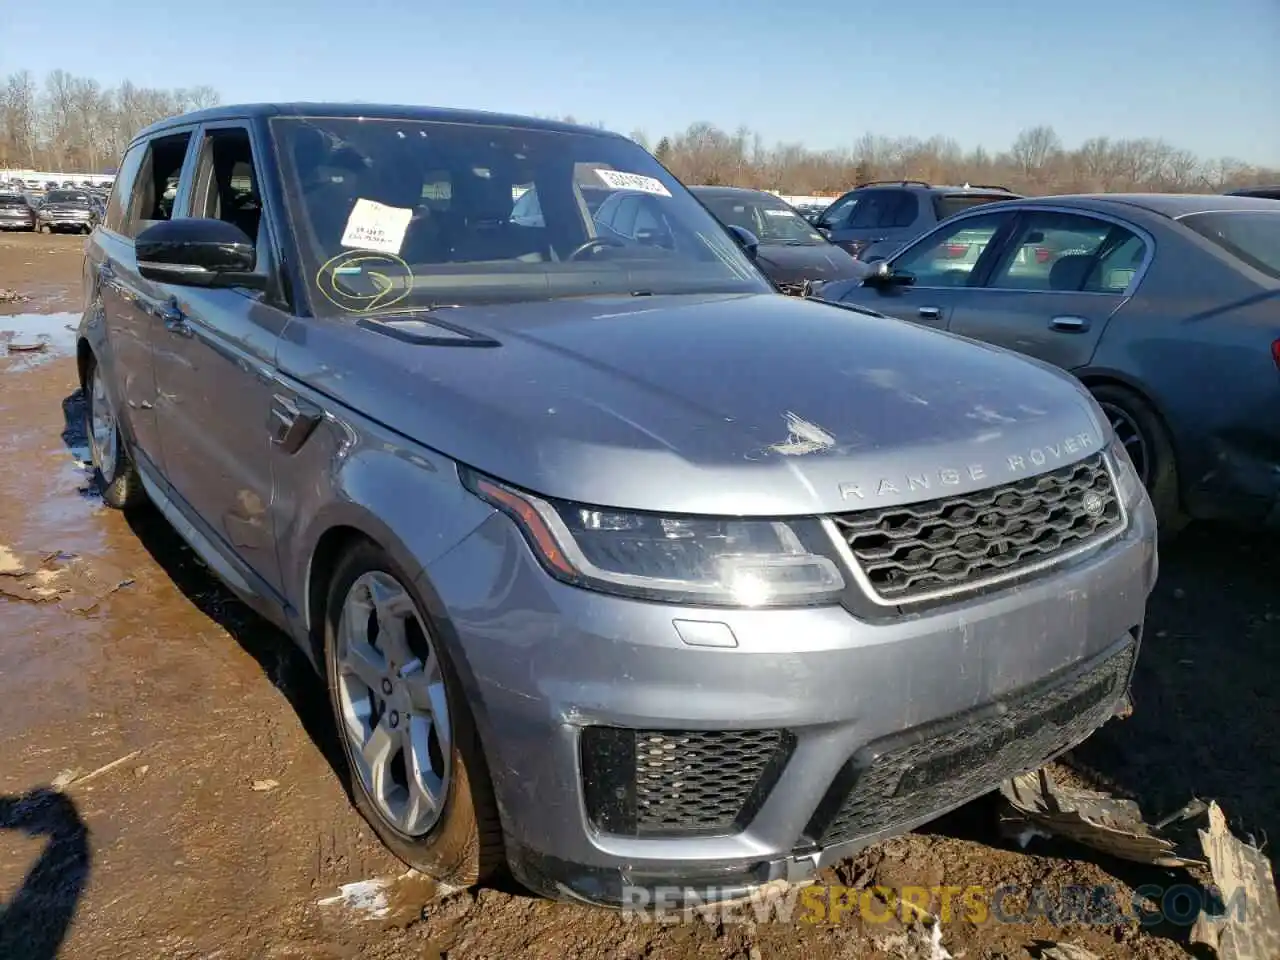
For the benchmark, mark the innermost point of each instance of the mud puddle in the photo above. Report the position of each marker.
(30, 339)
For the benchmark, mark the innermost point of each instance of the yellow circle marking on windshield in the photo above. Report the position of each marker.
(359, 281)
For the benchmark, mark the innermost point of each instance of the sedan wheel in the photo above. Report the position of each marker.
(1146, 439)
(1130, 435)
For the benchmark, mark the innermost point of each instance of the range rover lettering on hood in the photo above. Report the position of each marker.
(996, 471)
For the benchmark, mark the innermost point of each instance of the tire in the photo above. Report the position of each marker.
(1130, 413)
(463, 844)
(113, 470)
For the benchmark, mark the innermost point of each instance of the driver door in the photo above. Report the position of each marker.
(943, 266)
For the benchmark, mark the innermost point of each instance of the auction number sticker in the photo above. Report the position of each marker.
(617, 180)
(376, 226)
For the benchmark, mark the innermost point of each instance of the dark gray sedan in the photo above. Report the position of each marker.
(1166, 306)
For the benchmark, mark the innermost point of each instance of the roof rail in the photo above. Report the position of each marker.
(897, 183)
(986, 186)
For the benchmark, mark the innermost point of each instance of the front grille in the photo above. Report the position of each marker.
(956, 543)
(679, 782)
(909, 776)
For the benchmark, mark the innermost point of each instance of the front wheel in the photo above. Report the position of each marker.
(414, 763)
(1139, 428)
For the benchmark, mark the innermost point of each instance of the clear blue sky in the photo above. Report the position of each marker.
(1202, 75)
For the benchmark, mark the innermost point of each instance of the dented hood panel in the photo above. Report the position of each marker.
(759, 404)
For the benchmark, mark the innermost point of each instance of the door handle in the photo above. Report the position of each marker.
(1070, 324)
(930, 313)
(175, 321)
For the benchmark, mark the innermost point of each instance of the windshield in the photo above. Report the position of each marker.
(772, 221)
(396, 214)
(1252, 236)
(66, 196)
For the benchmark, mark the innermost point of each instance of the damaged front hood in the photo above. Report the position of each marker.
(758, 404)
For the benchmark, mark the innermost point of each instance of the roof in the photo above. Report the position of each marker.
(1172, 205)
(373, 111)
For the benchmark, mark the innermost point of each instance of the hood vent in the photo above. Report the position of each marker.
(426, 331)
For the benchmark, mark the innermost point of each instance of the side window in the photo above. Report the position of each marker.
(946, 257)
(834, 216)
(1115, 269)
(879, 208)
(904, 212)
(527, 212)
(157, 186)
(226, 185)
(121, 190)
(651, 226)
(622, 216)
(1051, 251)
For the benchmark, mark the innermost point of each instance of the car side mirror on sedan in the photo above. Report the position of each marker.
(749, 242)
(881, 274)
(198, 252)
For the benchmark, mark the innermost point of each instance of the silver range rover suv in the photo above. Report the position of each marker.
(622, 570)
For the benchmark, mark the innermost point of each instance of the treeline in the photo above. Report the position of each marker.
(1036, 163)
(75, 124)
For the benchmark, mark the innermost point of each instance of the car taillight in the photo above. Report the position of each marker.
(954, 250)
(1042, 254)
(1275, 352)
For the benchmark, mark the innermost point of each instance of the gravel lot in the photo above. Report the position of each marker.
(220, 829)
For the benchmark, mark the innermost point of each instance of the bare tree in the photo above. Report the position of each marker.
(1033, 150)
(72, 123)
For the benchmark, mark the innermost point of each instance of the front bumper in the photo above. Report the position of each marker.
(623, 757)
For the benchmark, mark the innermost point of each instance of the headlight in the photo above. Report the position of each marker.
(721, 561)
(1128, 483)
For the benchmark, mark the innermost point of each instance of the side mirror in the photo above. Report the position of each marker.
(881, 275)
(197, 252)
(749, 242)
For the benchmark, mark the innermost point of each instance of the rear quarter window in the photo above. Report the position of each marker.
(1250, 236)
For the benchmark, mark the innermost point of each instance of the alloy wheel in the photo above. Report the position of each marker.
(391, 697)
(103, 435)
(1131, 437)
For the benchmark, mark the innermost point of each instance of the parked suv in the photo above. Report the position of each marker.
(622, 568)
(877, 219)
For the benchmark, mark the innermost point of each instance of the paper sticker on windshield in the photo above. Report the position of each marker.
(376, 226)
(777, 213)
(617, 180)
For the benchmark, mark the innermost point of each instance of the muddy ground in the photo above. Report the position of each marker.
(221, 830)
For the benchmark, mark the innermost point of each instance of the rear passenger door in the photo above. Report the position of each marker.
(215, 363)
(1055, 286)
(145, 188)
